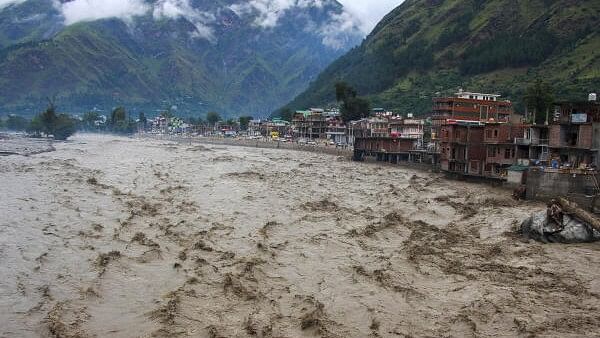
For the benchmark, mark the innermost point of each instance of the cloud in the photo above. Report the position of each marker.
(91, 10)
(339, 30)
(268, 12)
(336, 32)
(6, 3)
(369, 13)
(174, 9)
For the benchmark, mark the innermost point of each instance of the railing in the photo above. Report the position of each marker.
(531, 141)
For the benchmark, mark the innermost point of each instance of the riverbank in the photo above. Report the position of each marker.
(264, 143)
(346, 153)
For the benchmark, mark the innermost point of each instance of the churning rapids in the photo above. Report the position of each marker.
(117, 237)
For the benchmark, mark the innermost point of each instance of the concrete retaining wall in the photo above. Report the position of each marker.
(580, 188)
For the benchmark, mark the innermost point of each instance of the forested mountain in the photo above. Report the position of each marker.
(426, 48)
(195, 55)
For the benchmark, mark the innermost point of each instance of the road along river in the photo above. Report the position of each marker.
(116, 237)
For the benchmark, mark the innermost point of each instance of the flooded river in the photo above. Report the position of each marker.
(116, 237)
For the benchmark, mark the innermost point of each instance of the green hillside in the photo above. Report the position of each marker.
(426, 48)
(152, 64)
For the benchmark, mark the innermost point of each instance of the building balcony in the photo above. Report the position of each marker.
(500, 160)
(531, 141)
(497, 141)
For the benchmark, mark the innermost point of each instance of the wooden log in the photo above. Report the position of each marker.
(574, 210)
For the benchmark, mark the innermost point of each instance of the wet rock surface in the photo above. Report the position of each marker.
(113, 237)
(538, 228)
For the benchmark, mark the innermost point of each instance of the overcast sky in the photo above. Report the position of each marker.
(370, 11)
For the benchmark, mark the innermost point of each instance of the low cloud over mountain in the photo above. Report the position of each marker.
(232, 56)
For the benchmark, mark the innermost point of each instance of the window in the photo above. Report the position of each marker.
(495, 133)
(488, 133)
(507, 153)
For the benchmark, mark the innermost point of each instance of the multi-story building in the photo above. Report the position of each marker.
(462, 149)
(574, 134)
(336, 130)
(368, 127)
(255, 127)
(409, 128)
(310, 124)
(469, 106)
(534, 141)
(501, 149)
(277, 128)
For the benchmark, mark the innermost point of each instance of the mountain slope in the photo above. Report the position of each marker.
(426, 48)
(155, 63)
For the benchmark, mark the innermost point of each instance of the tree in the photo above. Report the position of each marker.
(48, 122)
(244, 122)
(353, 107)
(48, 118)
(539, 98)
(213, 117)
(118, 116)
(120, 123)
(287, 114)
(343, 91)
(65, 126)
(35, 127)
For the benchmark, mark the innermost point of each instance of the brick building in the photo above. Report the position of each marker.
(462, 148)
(574, 133)
(502, 151)
(468, 106)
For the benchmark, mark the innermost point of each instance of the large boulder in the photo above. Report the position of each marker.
(538, 228)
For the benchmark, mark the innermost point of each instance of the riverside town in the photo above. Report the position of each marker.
(299, 168)
(471, 136)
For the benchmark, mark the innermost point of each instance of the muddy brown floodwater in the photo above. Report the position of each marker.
(115, 237)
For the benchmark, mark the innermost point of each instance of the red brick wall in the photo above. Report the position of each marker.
(506, 133)
(585, 136)
(555, 136)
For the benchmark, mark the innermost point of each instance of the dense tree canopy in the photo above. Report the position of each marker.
(353, 107)
(538, 100)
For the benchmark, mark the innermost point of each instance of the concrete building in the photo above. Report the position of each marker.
(535, 141)
(470, 106)
(574, 134)
(337, 131)
(501, 150)
(462, 149)
(310, 124)
(368, 127)
(409, 128)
